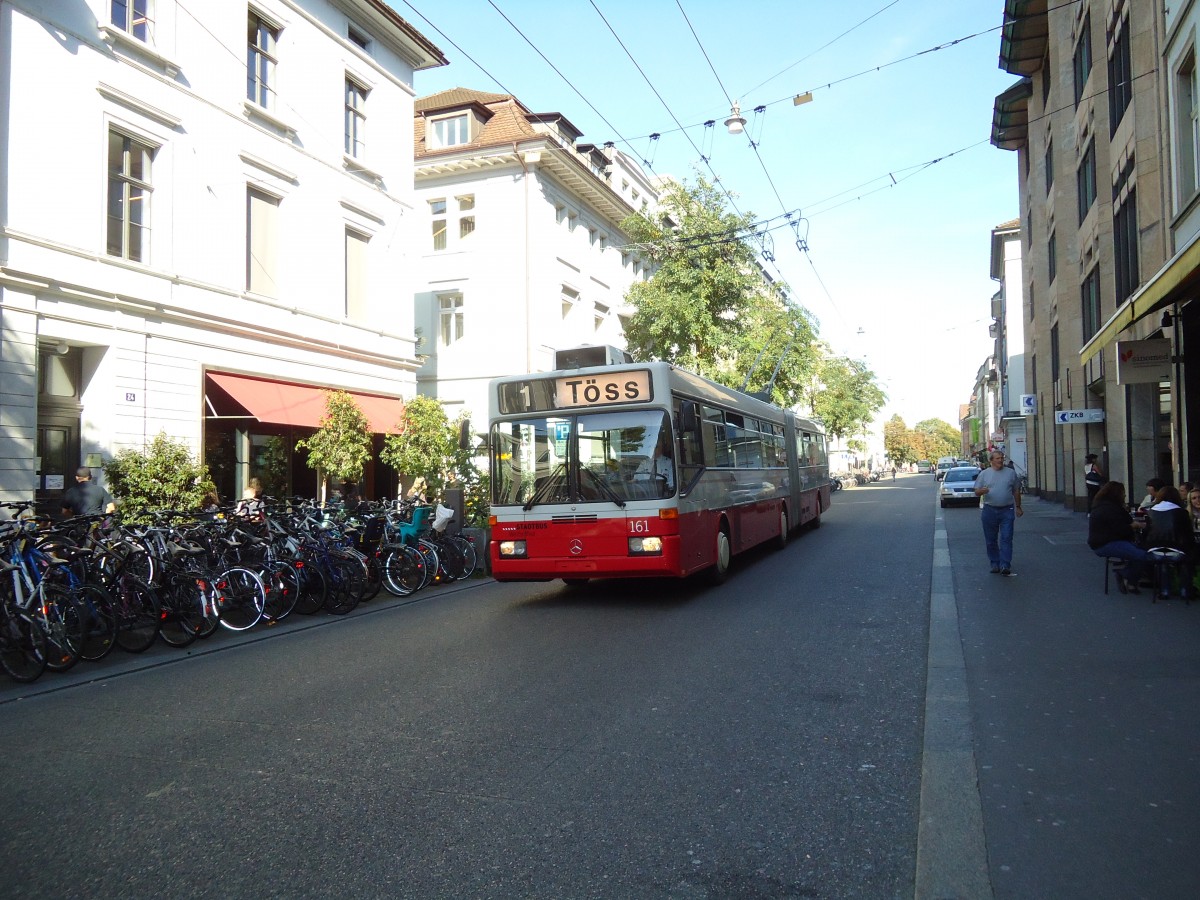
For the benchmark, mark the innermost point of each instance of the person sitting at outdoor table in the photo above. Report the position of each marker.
(1193, 509)
(1111, 533)
(1168, 526)
(1153, 486)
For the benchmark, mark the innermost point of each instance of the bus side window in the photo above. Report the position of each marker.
(691, 449)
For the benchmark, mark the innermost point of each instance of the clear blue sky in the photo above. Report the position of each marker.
(907, 262)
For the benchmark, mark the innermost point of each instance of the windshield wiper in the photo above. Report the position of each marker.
(552, 480)
(606, 488)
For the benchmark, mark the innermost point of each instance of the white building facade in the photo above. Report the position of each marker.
(521, 252)
(206, 211)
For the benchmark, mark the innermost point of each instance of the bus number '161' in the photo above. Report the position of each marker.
(639, 526)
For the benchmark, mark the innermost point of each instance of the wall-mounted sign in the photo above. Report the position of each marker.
(1078, 416)
(1143, 362)
(1029, 404)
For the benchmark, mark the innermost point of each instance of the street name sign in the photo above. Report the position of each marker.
(1078, 416)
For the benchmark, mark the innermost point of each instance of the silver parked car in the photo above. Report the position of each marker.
(958, 486)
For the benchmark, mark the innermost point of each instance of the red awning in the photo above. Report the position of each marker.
(280, 403)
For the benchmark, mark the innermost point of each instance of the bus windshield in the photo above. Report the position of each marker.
(588, 458)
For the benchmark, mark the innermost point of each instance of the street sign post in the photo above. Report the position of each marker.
(1078, 416)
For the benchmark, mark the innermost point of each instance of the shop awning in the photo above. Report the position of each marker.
(282, 403)
(1171, 284)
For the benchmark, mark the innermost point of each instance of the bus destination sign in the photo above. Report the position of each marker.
(631, 386)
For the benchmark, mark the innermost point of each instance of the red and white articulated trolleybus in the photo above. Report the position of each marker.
(642, 469)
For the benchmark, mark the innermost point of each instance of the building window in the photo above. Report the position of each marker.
(1083, 57)
(134, 18)
(356, 275)
(599, 315)
(262, 243)
(1052, 258)
(1090, 297)
(450, 132)
(129, 189)
(570, 297)
(437, 209)
(262, 40)
(1032, 304)
(466, 223)
(1120, 77)
(1187, 127)
(1049, 165)
(1125, 247)
(450, 318)
(358, 38)
(1045, 73)
(1085, 181)
(356, 118)
(1054, 352)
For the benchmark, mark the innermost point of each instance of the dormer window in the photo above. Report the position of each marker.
(452, 131)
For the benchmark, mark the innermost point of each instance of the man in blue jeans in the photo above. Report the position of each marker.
(1001, 494)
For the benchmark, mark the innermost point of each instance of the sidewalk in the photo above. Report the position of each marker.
(1085, 717)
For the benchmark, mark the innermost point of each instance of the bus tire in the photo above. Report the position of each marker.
(782, 540)
(575, 582)
(724, 553)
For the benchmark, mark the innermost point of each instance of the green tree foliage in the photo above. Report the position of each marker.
(896, 443)
(429, 446)
(707, 306)
(425, 445)
(164, 475)
(941, 438)
(341, 445)
(847, 395)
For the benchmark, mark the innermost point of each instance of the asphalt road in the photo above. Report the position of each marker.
(758, 739)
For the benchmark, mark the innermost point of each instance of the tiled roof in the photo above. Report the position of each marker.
(457, 96)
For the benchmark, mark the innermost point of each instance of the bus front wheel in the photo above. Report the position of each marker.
(720, 569)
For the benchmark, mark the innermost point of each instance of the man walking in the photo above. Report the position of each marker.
(1001, 494)
(87, 498)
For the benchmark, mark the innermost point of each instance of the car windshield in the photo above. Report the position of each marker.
(590, 458)
(961, 475)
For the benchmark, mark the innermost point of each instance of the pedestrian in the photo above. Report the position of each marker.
(893, 473)
(1001, 493)
(1112, 532)
(1093, 477)
(86, 498)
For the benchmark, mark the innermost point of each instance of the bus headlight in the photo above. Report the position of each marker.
(513, 549)
(643, 546)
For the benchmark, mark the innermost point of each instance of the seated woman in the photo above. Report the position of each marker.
(1168, 525)
(1110, 533)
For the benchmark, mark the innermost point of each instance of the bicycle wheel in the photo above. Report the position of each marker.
(62, 623)
(282, 584)
(312, 589)
(99, 622)
(137, 608)
(240, 598)
(347, 581)
(181, 614)
(374, 576)
(432, 561)
(22, 646)
(468, 561)
(403, 570)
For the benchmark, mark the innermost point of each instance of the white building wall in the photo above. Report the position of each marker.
(1015, 313)
(150, 328)
(532, 238)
